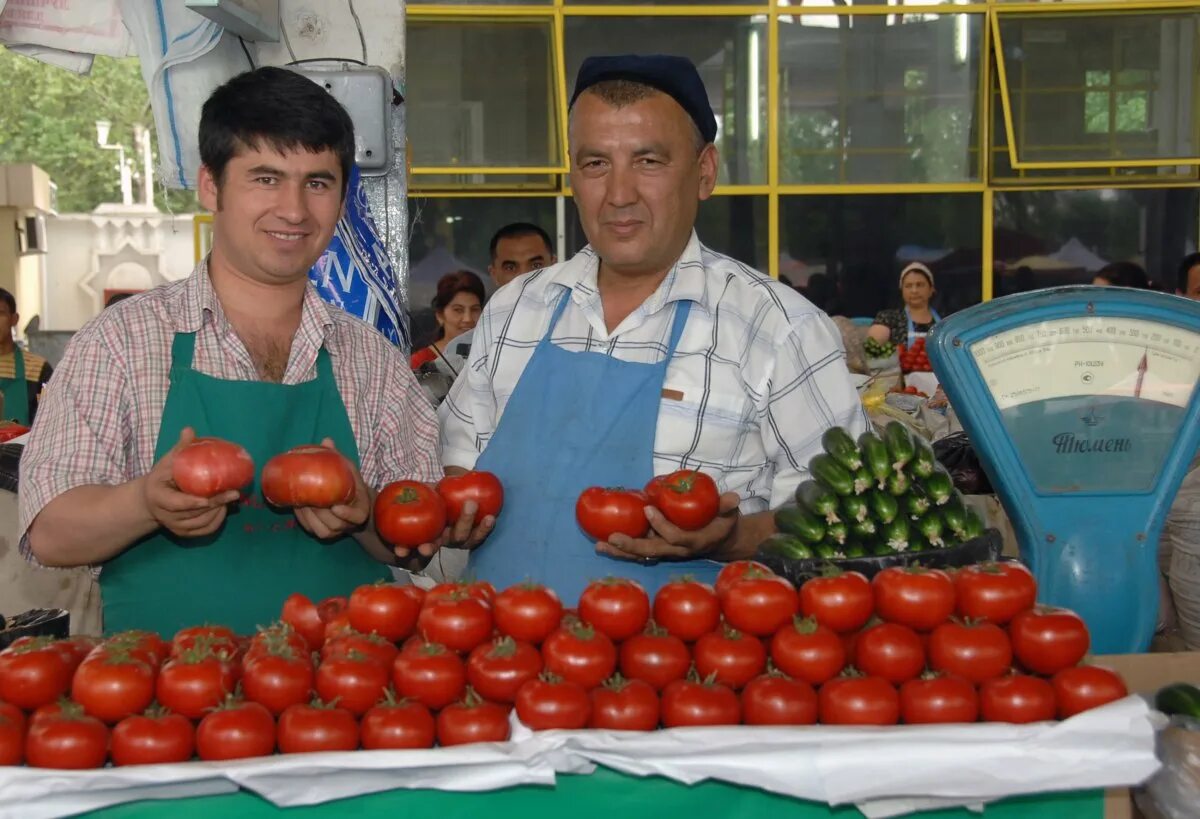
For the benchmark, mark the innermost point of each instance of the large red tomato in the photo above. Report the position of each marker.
(996, 592)
(308, 475)
(278, 679)
(209, 466)
(430, 674)
(603, 512)
(773, 699)
(914, 596)
(655, 656)
(731, 573)
(1018, 698)
(472, 720)
(1084, 687)
(371, 646)
(1047, 639)
(305, 728)
(624, 705)
(579, 653)
(615, 606)
(498, 669)
(481, 590)
(858, 701)
(236, 730)
(482, 487)
(760, 603)
(549, 702)
(146, 646)
(890, 651)
(68, 739)
(687, 498)
(687, 609)
(938, 698)
(808, 651)
(843, 601)
(409, 513)
(973, 651)
(383, 609)
(33, 673)
(220, 641)
(733, 657)
(687, 702)
(194, 683)
(395, 725)
(459, 622)
(113, 687)
(354, 681)
(302, 614)
(527, 611)
(153, 738)
(12, 735)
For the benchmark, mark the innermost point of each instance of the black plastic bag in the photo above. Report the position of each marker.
(10, 461)
(35, 623)
(957, 454)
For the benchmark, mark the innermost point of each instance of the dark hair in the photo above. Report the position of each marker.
(822, 291)
(8, 299)
(450, 285)
(284, 109)
(517, 229)
(1124, 274)
(1185, 267)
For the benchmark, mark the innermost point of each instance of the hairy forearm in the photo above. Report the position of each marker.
(90, 524)
(751, 530)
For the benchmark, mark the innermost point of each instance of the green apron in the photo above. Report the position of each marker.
(240, 575)
(16, 391)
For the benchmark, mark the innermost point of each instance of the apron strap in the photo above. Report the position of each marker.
(183, 350)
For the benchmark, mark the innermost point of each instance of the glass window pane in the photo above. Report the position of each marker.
(1102, 88)
(481, 93)
(451, 233)
(879, 98)
(731, 55)
(1050, 238)
(862, 242)
(734, 225)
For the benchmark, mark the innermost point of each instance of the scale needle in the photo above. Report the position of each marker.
(1143, 365)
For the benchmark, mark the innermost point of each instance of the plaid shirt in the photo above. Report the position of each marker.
(757, 378)
(100, 415)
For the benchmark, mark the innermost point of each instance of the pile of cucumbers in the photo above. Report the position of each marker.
(878, 349)
(882, 495)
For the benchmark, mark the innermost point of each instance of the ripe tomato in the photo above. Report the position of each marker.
(735, 658)
(331, 608)
(355, 681)
(602, 512)
(687, 498)
(371, 646)
(759, 603)
(615, 606)
(278, 680)
(858, 701)
(549, 702)
(113, 687)
(76, 648)
(996, 592)
(498, 669)
(938, 698)
(218, 640)
(773, 699)
(973, 651)
(732, 572)
(236, 730)
(472, 720)
(527, 611)
(459, 622)
(580, 654)
(302, 615)
(913, 596)
(843, 601)
(209, 466)
(194, 683)
(482, 487)
(624, 705)
(383, 609)
(685, 702)
(68, 740)
(1046, 639)
(481, 590)
(1084, 687)
(654, 656)
(153, 738)
(309, 475)
(396, 725)
(890, 651)
(687, 609)
(33, 673)
(808, 651)
(430, 674)
(317, 727)
(12, 734)
(1018, 698)
(146, 646)
(276, 638)
(409, 513)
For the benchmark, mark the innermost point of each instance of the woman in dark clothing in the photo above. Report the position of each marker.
(917, 317)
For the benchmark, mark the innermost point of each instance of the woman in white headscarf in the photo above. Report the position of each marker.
(917, 317)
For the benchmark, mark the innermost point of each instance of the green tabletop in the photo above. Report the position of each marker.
(602, 795)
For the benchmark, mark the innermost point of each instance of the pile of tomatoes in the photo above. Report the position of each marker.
(397, 667)
(913, 357)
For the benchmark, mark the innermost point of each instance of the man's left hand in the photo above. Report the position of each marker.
(667, 541)
(342, 519)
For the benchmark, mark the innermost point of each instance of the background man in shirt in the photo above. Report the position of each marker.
(517, 249)
(22, 373)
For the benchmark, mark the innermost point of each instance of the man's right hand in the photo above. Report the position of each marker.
(182, 514)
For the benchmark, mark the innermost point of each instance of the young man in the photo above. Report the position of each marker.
(243, 349)
(22, 374)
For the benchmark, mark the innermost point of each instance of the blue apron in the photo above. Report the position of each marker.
(913, 335)
(574, 420)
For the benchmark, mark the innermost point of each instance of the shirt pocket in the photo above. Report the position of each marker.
(709, 427)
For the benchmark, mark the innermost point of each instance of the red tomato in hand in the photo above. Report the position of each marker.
(549, 702)
(498, 669)
(914, 596)
(209, 466)
(615, 606)
(482, 487)
(1085, 687)
(731, 573)
(1018, 698)
(687, 498)
(153, 739)
(655, 657)
(687, 609)
(111, 688)
(278, 680)
(396, 725)
(312, 728)
(429, 674)
(409, 514)
(308, 476)
(890, 651)
(773, 699)
(68, 740)
(937, 699)
(858, 701)
(733, 657)
(194, 684)
(33, 674)
(1046, 639)
(527, 611)
(236, 730)
(581, 654)
(996, 592)
(472, 720)
(843, 601)
(760, 604)
(603, 512)
(459, 622)
(383, 609)
(685, 702)
(808, 651)
(624, 705)
(975, 652)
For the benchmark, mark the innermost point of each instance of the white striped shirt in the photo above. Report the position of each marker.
(758, 376)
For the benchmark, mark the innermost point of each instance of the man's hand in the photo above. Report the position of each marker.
(178, 512)
(668, 542)
(342, 519)
(463, 533)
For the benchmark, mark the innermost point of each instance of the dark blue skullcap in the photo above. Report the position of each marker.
(674, 76)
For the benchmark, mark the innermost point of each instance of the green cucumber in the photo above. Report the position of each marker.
(865, 529)
(931, 527)
(939, 486)
(897, 534)
(973, 527)
(855, 549)
(954, 513)
(837, 533)
(855, 508)
(875, 456)
(1181, 698)
(841, 447)
(863, 480)
(916, 503)
(881, 549)
(786, 546)
(899, 444)
(828, 551)
(924, 461)
(792, 520)
(884, 507)
(831, 473)
(818, 499)
(898, 484)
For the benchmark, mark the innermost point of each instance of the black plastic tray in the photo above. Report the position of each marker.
(35, 623)
(981, 549)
